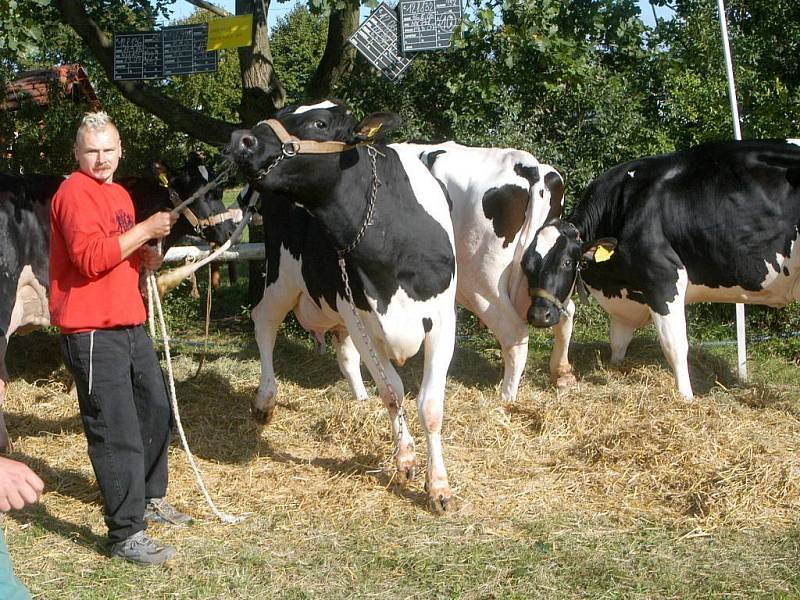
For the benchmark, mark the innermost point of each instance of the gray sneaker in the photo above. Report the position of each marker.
(158, 510)
(143, 550)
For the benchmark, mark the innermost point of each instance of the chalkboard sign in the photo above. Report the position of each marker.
(185, 50)
(138, 56)
(376, 39)
(157, 54)
(428, 24)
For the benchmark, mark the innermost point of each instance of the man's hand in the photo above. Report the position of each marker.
(159, 224)
(19, 485)
(150, 258)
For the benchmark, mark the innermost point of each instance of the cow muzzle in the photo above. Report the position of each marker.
(545, 310)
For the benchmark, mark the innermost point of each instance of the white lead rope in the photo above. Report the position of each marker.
(153, 297)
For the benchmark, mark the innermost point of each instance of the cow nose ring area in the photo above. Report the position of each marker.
(248, 142)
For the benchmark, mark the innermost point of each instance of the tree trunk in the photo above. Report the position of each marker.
(338, 58)
(262, 91)
(262, 95)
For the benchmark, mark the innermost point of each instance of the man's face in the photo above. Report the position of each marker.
(98, 152)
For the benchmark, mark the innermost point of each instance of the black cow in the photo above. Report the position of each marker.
(388, 217)
(25, 242)
(716, 223)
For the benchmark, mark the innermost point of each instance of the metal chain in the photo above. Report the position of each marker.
(370, 207)
(398, 402)
(264, 172)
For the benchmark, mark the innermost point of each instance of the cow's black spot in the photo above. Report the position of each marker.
(786, 271)
(427, 324)
(505, 207)
(554, 183)
(428, 158)
(529, 172)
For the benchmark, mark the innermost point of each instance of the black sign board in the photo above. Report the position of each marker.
(138, 55)
(185, 50)
(428, 24)
(376, 39)
(157, 54)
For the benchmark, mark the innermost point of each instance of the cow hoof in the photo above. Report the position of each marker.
(564, 382)
(442, 504)
(406, 474)
(263, 417)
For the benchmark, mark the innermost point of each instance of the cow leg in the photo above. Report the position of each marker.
(233, 272)
(626, 316)
(390, 388)
(5, 441)
(671, 330)
(512, 334)
(215, 276)
(620, 333)
(560, 370)
(349, 363)
(267, 318)
(439, 345)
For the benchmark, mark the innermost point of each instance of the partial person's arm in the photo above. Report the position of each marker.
(19, 485)
(155, 227)
(90, 248)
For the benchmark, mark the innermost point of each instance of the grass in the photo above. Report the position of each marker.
(615, 489)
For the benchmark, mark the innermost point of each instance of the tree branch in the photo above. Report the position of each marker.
(192, 122)
(337, 60)
(210, 7)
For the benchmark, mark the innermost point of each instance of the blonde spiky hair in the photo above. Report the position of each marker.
(94, 120)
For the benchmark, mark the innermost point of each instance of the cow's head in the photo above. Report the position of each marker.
(552, 266)
(207, 215)
(315, 141)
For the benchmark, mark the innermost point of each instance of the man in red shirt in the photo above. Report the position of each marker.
(96, 250)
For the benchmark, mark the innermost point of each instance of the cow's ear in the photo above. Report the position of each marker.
(374, 126)
(600, 250)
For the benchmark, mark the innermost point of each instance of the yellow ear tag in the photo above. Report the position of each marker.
(374, 131)
(602, 254)
(162, 178)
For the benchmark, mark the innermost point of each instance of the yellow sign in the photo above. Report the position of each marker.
(230, 32)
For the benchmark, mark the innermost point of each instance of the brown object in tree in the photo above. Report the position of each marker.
(71, 80)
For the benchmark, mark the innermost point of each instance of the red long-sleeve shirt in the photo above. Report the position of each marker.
(91, 286)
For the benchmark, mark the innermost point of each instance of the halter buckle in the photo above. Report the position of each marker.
(290, 148)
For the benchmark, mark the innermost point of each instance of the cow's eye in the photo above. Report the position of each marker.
(567, 263)
(320, 124)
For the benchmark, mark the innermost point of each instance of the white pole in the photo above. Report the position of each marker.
(741, 346)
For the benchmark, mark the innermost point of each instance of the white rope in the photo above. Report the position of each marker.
(198, 477)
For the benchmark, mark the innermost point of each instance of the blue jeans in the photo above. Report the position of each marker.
(10, 587)
(126, 417)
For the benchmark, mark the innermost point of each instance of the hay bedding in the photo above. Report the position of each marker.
(622, 446)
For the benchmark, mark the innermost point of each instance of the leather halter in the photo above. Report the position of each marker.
(198, 224)
(291, 146)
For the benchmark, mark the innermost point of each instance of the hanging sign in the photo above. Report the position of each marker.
(138, 56)
(179, 50)
(230, 32)
(376, 39)
(428, 24)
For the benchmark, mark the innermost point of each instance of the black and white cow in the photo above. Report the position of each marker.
(717, 223)
(25, 243)
(498, 200)
(388, 217)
